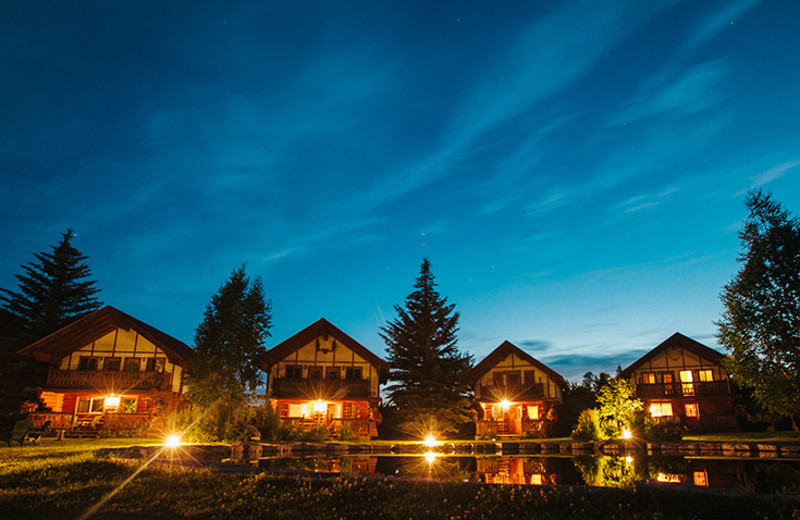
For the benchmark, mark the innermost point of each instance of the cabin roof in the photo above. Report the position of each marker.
(503, 351)
(97, 324)
(676, 340)
(324, 328)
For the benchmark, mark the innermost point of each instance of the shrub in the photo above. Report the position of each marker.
(346, 433)
(662, 431)
(588, 427)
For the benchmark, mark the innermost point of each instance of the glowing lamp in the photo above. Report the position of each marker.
(173, 441)
(430, 457)
(626, 434)
(505, 404)
(430, 440)
(319, 406)
(112, 401)
(629, 459)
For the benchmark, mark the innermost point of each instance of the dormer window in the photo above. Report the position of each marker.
(294, 372)
(352, 373)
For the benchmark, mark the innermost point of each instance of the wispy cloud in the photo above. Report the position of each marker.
(773, 174)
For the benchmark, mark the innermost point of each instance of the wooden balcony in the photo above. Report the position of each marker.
(530, 392)
(107, 381)
(327, 389)
(695, 389)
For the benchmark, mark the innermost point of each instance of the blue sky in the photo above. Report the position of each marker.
(574, 171)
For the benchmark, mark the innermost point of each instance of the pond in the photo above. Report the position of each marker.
(749, 475)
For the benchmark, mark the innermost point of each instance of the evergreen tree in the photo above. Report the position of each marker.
(760, 327)
(230, 341)
(53, 291)
(428, 371)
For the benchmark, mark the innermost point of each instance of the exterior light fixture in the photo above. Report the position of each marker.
(505, 404)
(173, 441)
(626, 434)
(112, 401)
(430, 440)
(319, 406)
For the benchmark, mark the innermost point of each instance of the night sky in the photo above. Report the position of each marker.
(574, 171)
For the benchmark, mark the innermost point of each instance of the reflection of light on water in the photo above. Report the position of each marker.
(670, 478)
(430, 457)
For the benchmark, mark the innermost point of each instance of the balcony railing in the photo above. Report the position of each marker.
(360, 428)
(516, 393)
(695, 389)
(326, 389)
(108, 381)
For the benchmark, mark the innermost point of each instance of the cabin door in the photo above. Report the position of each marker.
(514, 420)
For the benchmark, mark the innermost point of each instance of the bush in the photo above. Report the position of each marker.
(267, 422)
(663, 431)
(346, 433)
(588, 427)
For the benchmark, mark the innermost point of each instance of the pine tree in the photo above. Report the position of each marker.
(230, 341)
(53, 291)
(760, 327)
(427, 369)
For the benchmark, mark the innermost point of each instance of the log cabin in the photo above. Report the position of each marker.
(323, 377)
(108, 371)
(683, 380)
(516, 393)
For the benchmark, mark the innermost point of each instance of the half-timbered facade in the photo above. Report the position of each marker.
(323, 377)
(109, 371)
(682, 380)
(517, 394)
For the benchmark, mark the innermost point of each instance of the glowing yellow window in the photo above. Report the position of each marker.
(661, 410)
(700, 478)
(705, 375)
(649, 378)
(692, 410)
(533, 413)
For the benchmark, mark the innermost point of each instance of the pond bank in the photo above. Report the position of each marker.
(250, 451)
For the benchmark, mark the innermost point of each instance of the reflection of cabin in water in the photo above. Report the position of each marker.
(323, 377)
(517, 394)
(110, 371)
(517, 470)
(682, 380)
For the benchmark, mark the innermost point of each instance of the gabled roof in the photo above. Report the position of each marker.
(97, 324)
(502, 352)
(321, 327)
(680, 341)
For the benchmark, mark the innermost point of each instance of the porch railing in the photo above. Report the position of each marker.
(107, 381)
(327, 389)
(515, 393)
(694, 389)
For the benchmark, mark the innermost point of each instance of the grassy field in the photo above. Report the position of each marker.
(64, 480)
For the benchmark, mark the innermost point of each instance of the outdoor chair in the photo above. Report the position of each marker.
(35, 436)
(18, 434)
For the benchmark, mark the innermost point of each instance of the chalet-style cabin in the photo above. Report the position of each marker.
(110, 371)
(323, 377)
(682, 380)
(517, 394)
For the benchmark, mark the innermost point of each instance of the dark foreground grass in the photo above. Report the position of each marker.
(64, 482)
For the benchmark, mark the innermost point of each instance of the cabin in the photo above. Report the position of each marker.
(682, 380)
(321, 377)
(516, 395)
(108, 371)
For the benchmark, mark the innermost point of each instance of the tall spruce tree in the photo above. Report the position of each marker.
(53, 291)
(760, 327)
(230, 341)
(428, 384)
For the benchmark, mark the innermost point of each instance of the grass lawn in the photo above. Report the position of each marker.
(789, 437)
(63, 479)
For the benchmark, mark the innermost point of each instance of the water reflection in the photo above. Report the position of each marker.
(761, 477)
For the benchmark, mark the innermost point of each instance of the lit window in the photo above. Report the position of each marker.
(700, 478)
(687, 386)
(661, 410)
(536, 479)
(705, 375)
(533, 413)
(90, 404)
(649, 378)
(692, 410)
